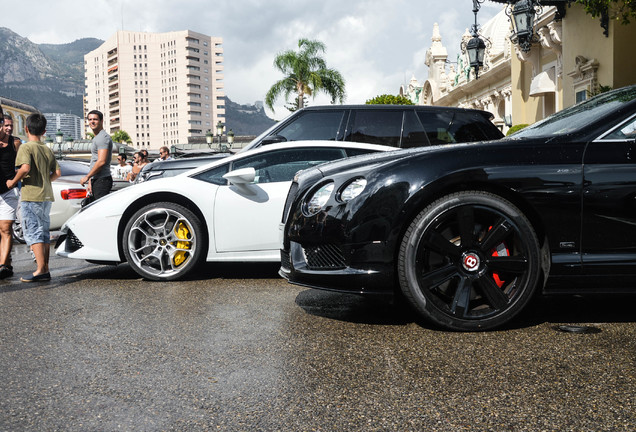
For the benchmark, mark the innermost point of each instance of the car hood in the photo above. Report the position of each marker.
(369, 162)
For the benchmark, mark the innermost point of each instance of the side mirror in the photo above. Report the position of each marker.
(273, 139)
(241, 176)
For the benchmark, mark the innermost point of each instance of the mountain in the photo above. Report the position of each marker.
(246, 119)
(51, 78)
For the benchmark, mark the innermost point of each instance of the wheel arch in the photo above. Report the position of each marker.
(154, 198)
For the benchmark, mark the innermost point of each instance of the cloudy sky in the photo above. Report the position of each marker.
(377, 45)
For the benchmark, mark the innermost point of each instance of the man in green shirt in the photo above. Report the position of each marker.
(37, 168)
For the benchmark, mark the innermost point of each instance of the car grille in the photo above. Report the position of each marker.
(324, 257)
(291, 195)
(285, 260)
(72, 242)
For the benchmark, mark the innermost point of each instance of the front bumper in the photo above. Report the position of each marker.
(327, 267)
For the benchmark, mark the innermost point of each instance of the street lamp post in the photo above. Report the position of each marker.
(475, 47)
(219, 132)
(59, 137)
(230, 138)
(209, 137)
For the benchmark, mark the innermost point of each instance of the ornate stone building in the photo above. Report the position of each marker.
(570, 60)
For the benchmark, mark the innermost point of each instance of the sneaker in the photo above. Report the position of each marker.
(44, 277)
(5, 271)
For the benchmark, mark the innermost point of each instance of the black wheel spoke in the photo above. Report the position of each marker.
(461, 300)
(466, 222)
(438, 276)
(438, 243)
(494, 295)
(496, 235)
(508, 264)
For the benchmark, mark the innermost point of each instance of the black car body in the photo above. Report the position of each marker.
(467, 232)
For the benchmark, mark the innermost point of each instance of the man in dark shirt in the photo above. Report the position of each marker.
(8, 198)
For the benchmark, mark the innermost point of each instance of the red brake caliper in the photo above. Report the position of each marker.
(500, 250)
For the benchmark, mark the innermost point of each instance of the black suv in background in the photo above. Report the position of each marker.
(402, 126)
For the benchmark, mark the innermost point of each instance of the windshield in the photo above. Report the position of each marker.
(574, 118)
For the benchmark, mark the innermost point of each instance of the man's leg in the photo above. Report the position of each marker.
(101, 187)
(6, 241)
(41, 252)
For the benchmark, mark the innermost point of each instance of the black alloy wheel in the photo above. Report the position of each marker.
(469, 261)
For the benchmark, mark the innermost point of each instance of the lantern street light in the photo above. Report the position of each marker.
(209, 138)
(59, 137)
(219, 132)
(230, 138)
(475, 47)
(523, 14)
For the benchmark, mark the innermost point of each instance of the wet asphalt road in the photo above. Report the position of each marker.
(235, 348)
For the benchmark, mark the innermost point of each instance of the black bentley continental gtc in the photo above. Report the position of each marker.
(468, 232)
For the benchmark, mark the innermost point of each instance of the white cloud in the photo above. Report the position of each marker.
(375, 44)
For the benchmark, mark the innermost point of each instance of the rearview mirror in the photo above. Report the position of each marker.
(241, 176)
(273, 139)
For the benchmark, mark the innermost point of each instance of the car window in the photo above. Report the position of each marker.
(281, 165)
(436, 126)
(625, 131)
(214, 175)
(413, 134)
(471, 126)
(376, 127)
(313, 125)
(69, 168)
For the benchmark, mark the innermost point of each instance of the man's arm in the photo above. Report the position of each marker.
(56, 175)
(19, 175)
(102, 159)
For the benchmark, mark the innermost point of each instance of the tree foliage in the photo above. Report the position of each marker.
(623, 10)
(121, 136)
(386, 99)
(305, 74)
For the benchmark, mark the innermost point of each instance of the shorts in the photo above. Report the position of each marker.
(36, 221)
(9, 204)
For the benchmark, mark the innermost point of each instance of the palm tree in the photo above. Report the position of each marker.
(306, 73)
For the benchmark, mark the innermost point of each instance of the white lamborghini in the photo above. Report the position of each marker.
(226, 210)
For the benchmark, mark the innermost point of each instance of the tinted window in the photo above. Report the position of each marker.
(471, 126)
(214, 175)
(457, 126)
(376, 127)
(413, 134)
(281, 165)
(313, 125)
(69, 168)
(436, 126)
(625, 131)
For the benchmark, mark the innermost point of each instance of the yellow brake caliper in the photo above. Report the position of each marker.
(182, 233)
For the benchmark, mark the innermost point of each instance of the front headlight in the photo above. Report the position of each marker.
(318, 199)
(353, 189)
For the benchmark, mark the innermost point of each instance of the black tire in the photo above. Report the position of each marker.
(469, 261)
(164, 241)
(16, 232)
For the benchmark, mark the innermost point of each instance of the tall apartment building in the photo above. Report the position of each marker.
(69, 124)
(161, 88)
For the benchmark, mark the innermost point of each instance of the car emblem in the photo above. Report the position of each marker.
(470, 261)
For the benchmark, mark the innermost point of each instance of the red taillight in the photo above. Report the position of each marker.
(73, 194)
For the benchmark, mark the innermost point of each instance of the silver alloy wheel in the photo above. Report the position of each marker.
(162, 243)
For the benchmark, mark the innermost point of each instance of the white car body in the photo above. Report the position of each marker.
(241, 218)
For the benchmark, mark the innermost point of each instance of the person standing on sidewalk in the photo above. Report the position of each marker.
(8, 198)
(37, 168)
(99, 178)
